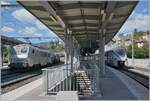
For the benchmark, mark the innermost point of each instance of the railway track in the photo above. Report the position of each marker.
(9, 78)
(142, 79)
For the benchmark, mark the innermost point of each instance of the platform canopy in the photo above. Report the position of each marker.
(85, 19)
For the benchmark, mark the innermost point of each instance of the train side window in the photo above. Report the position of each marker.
(33, 51)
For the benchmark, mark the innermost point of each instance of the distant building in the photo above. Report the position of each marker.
(121, 40)
(142, 40)
(145, 36)
(140, 44)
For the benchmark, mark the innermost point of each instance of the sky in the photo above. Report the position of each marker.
(139, 19)
(17, 21)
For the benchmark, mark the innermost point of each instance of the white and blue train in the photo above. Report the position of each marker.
(28, 56)
(116, 57)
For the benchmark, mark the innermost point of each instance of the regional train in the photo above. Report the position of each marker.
(28, 56)
(116, 57)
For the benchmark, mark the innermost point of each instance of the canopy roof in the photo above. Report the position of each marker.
(85, 19)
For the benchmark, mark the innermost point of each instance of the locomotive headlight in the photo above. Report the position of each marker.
(25, 64)
(25, 61)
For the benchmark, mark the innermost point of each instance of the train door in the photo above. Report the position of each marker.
(115, 59)
(106, 58)
(110, 58)
(30, 57)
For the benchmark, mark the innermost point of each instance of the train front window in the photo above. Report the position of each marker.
(121, 52)
(24, 50)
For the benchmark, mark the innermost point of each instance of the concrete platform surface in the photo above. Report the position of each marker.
(146, 73)
(14, 94)
(67, 96)
(139, 91)
(36, 94)
(117, 86)
(114, 86)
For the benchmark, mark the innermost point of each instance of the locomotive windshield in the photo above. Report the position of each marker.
(24, 50)
(20, 50)
(121, 52)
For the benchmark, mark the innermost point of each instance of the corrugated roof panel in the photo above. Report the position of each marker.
(82, 17)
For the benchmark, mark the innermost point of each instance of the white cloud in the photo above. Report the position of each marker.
(28, 30)
(38, 34)
(139, 21)
(6, 29)
(4, 2)
(23, 15)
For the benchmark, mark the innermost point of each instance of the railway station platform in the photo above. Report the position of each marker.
(84, 27)
(143, 71)
(114, 86)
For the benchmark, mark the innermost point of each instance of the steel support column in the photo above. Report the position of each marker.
(149, 48)
(0, 59)
(67, 56)
(133, 47)
(71, 52)
(1, 56)
(101, 54)
(66, 46)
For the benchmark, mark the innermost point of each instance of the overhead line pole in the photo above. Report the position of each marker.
(149, 48)
(133, 47)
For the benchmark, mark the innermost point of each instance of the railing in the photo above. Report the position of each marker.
(91, 57)
(60, 78)
(88, 82)
(139, 63)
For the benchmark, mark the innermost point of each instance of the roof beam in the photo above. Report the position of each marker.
(77, 6)
(110, 6)
(48, 7)
(108, 13)
(88, 24)
(88, 17)
(10, 5)
(80, 34)
(78, 30)
(40, 8)
(88, 28)
(82, 14)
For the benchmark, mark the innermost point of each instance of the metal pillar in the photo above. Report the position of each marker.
(102, 55)
(66, 57)
(78, 56)
(71, 60)
(149, 48)
(149, 39)
(0, 59)
(1, 53)
(66, 46)
(71, 52)
(132, 47)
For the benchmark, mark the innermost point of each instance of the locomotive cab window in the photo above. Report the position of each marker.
(23, 50)
(121, 52)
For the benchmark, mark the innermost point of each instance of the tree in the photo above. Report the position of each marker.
(6, 54)
(138, 52)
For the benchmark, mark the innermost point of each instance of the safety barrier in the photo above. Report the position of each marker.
(60, 78)
(87, 82)
(142, 63)
(91, 57)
